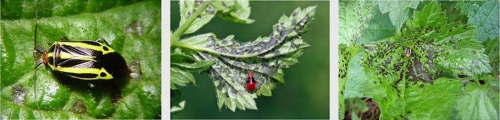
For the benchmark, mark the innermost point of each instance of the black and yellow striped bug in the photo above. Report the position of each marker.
(85, 60)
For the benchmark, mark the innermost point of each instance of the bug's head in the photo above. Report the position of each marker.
(40, 55)
(44, 58)
(250, 75)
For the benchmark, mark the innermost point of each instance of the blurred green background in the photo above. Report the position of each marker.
(305, 93)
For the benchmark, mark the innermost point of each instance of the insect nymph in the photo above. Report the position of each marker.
(85, 60)
(408, 52)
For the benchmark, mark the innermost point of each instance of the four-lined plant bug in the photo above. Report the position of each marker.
(84, 60)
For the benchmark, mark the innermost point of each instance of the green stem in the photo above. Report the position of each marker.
(177, 34)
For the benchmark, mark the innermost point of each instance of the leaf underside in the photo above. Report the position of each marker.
(233, 61)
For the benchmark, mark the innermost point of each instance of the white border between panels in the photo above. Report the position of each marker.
(165, 59)
(334, 82)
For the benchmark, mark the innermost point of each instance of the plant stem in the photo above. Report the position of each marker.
(177, 34)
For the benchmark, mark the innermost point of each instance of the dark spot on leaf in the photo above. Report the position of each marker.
(19, 94)
(482, 82)
(135, 69)
(79, 107)
(135, 28)
(462, 76)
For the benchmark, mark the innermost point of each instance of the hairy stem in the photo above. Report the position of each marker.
(177, 34)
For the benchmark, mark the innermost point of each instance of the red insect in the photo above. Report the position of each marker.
(251, 82)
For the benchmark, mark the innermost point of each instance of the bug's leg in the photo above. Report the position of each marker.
(102, 40)
(64, 38)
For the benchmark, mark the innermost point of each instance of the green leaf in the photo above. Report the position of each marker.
(196, 66)
(491, 49)
(408, 74)
(353, 19)
(11, 110)
(204, 14)
(434, 101)
(484, 15)
(430, 16)
(380, 27)
(180, 57)
(288, 27)
(423, 101)
(178, 108)
(358, 84)
(179, 77)
(58, 97)
(466, 56)
(398, 11)
(235, 11)
(26, 9)
(479, 102)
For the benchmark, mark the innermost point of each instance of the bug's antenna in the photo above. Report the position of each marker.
(34, 55)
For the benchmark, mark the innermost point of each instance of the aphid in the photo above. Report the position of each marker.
(85, 60)
(251, 83)
(407, 52)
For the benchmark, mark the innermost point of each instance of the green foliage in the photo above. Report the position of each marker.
(132, 29)
(228, 61)
(380, 27)
(415, 73)
(477, 103)
(358, 14)
(398, 11)
(484, 15)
